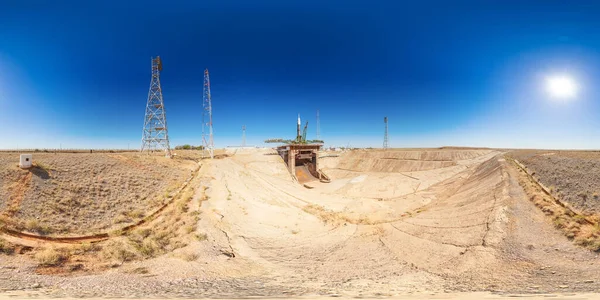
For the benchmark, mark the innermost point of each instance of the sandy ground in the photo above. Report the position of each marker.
(466, 226)
(443, 296)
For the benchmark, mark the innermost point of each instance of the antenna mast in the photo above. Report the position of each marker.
(155, 134)
(207, 128)
(385, 137)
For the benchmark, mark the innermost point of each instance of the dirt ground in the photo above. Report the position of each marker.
(85, 193)
(396, 223)
(573, 176)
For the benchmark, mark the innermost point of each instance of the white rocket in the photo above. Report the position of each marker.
(298, 129)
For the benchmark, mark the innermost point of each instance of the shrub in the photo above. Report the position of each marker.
(148, 247)
(579, 219)
(143, 233)
(189, 229)
(201, 236)
(121, 219)
(138, 270)
(50, 257)
(559, 222)
(33, 225)
(84, 248)
(5, 247)
(183, 206)
(136, 214)
(188, 256)
(118, 250)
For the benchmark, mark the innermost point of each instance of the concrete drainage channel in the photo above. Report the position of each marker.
(100, 236)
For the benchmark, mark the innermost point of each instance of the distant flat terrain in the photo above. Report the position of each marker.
(572, 176)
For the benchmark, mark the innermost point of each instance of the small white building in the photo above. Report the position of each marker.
(25, 161)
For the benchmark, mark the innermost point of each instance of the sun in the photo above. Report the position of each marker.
(561, 86)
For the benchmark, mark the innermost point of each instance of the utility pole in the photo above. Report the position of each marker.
(318, 126)
(155, 135)
(243, 135)
(385, 137)
(207, 126)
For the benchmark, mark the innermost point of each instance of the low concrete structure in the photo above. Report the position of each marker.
(25, 161)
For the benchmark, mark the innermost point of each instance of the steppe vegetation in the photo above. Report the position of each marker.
(568, 179)
(83, 193)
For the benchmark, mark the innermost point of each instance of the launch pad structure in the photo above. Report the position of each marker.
(301, 157)
(302, 161)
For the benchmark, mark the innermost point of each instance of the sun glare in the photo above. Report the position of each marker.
(563, 87)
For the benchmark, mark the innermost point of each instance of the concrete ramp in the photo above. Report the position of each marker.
(469, 226)
(304, 175)
(394, 161)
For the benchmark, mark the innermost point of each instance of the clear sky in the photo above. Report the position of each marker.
(464, 73)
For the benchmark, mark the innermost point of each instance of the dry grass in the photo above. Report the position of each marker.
(43, 166)
(571, 176)
(84, 248)
(201, 237)
(119, 250)
(83, 192)
(189, 229)
(188, 256)
(6, 247)
(51, 257)
(138, 270)
(172, 229)
(32, 225)
(583, 230)
(335, 218)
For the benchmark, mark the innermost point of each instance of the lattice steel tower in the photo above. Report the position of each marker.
(243, 135)
(207, 128)
(155, 135)
(318, 126)
(385, 137)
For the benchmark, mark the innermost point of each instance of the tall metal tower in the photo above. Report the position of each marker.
(385, 137)
(318, 126)
(155, 135)
(207, 128)
(243, 135)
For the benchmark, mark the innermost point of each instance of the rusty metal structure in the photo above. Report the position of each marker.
(207, 125)
(302, 162)
(155, 136)
(300, 156)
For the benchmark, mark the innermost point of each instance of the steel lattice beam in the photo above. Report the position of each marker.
(207, 128)
(155, 136)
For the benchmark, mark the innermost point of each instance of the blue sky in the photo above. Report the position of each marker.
(465, 73)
